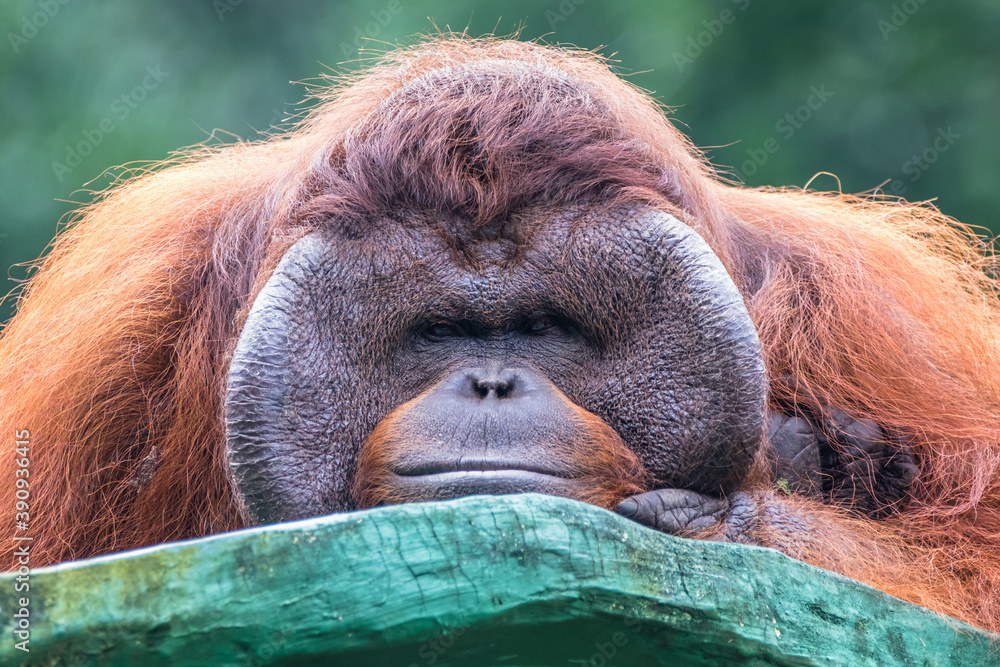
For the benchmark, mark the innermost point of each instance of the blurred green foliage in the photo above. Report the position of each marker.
(901, 94)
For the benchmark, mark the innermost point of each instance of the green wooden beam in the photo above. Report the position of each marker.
(512, 580)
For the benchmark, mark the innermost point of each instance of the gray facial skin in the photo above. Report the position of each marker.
(625, 311)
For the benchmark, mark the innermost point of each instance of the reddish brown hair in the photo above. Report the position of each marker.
(116, 359)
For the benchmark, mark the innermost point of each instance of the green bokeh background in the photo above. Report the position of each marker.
(894, 77)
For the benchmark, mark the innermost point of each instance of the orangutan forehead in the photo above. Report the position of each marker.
(533, 236)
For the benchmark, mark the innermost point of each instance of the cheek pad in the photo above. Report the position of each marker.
(291, 436)
(684, 383)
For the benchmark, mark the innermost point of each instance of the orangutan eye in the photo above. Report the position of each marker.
(541, 324)
(442, 330)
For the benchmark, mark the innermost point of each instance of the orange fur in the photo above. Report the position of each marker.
(118, 352)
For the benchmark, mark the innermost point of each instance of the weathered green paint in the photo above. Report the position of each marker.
(514, 580)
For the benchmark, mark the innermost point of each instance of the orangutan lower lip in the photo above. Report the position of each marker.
(458, 483)
(477, 465)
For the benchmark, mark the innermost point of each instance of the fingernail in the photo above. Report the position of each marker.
(627, 508)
